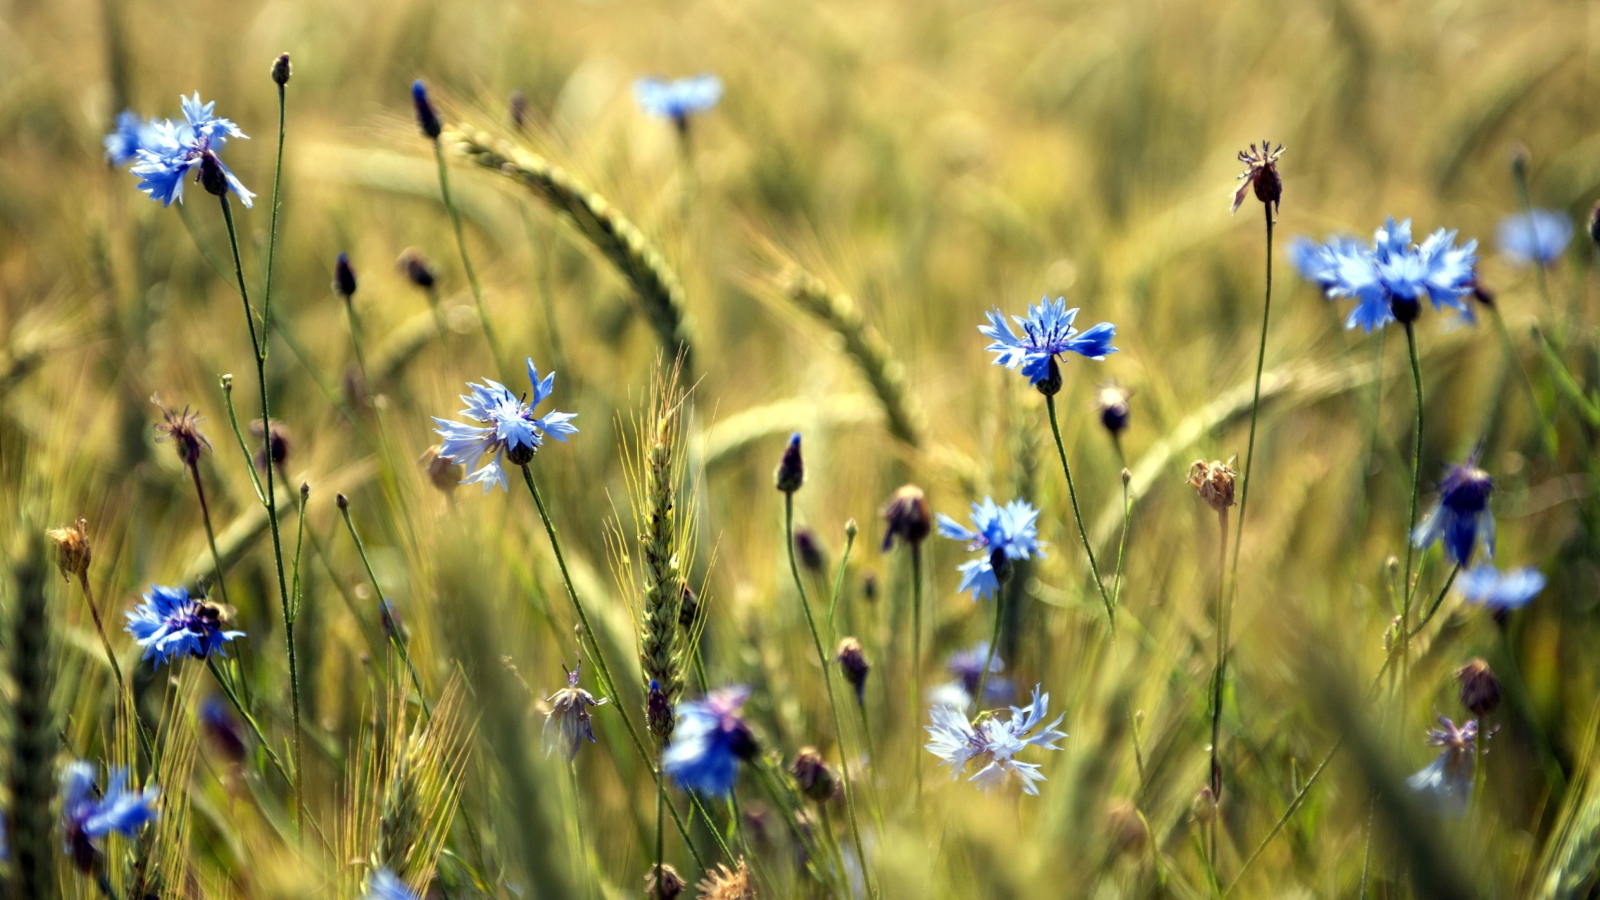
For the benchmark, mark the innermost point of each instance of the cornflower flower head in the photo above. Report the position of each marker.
(1260, 173)
(427, 118)
(1500, 591)
(723, 883)
(1389, 279)
(1536, 237)
(506, 426)
(906, 517)
(183, 429)
(131, 134)
(710, 739)
(569, 712)
(385, 886)
(678, 99)
(1003, 534)
(1047, 333)
(967, 667)
(87, 815)
(1111, 403)
(1461, 517)
(176, 149)
(171, 623)
(993, 743)
(1447, 781)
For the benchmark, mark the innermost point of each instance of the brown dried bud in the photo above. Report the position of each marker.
(853, 660)
(1480, 689)
(1214, 482)
(812, 774)
(443, 473)
(664, 883)
(907, 517)
(1126, 828)
(72, 548)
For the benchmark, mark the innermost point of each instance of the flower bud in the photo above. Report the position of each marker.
(1112, 403)
(664, 883)
(344, 277)
(851, 529)
(276, 447)
(808, 547)
(1214, 482)
(869, 587)
(212, 177)
(281, 70)
(1126, 828)
(791, 468)
(416, 267)
(812, 774)
(222, 728)
(341, 501)
(1480, 689)
(907, 517)
(1050, 385)
(853, 662)
(1204, 808)
(72, 548)
(427, 119)
(517, 106)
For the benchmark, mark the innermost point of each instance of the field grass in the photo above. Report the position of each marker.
(816, 252)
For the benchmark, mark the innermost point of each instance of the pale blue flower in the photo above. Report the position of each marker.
(174, 150)
(1501, 591)
(132, 134)
(1011, 530)
(1047, 333)
(1447, 781)
(87, 816)
(678, 99)
(709, 740)
(1461, 518)
(385, 886)
(1390, 279)
(170, 623)
(506, 426)
(967, 667)
(1536, 237)
(992, 743)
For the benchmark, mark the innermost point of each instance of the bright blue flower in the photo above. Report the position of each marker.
(1447, 781)
(967, 667)
(1011, 530)
(170, 623)
(993, 743)
(1534, 237)
(1047, 333)
(385, 886)
(1501, 592)
(86, 817)
(1461, 517)
(708, 741)
(676, 100)
(131, 135)
(1392, 272)
(174, 149)
(507, 426)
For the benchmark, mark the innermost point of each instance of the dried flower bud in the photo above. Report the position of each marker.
(1519, 162)
(907, 517)
(851, 529)
(212, 178)
(72, 548)
(517, 107)
(443, 473)
(277, 446)
(1111, 401)
(791, 468)
(1480, 689)
(344, 277)
(1214, 482)
(664, 883)
(812, 774)
(1481, 292)
(427, 119)
(342, 501)
(1261, 173)
(417, 268)
(183, 429)
(1126, 828)
(808, 547)
(281, 70)
(853, 661)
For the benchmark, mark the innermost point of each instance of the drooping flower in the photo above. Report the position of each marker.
(852, 659)
(967, 667)
(1534, 238)
(171, 623)
(710, 739)
(176, 149)
(1260, 173)
(1389, 280)
(87, 816)
(1461, 517)
(507, 426)
(993, 743)
(72, 548)
(1501, 591)
(569, 712)
(1447, 781)
(385, 886)
(678, 99)
(1003, 534)
(183, 429)
(1047, 333)
(131, 134)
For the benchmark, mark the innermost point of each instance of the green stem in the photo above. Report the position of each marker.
(1122, 545)
(661, 851)
(1072, 493)
(466, 259)
(994, 641)
(1437, 600)
(232, 694)
(1255, 406)
(838, 587)
(1214, 776)
(394, 628)
(1416, 461)
(827, 680)
(211, 534)
(916, 664)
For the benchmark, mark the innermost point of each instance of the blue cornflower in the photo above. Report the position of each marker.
(1538, 237)
(131, 135)
(175, 149)
(1047, 333)
(967, 667)
(1461, 517)
(993, 743)
(170, 623)
(86, 817)
(1389, 279)
(709, 740)
(1005, 534)
(678, 99)
(1447, 781)
(508, 426)
(1501, 591)
(385, 886)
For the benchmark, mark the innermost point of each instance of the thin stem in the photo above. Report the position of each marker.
(827, 680)
(916, 663)
(1215, 774)
(1122, 545)
(393, 630)
(994, 640)
(661, 802)
(1072, 493)
(1437, 600)
(232, 694)
(211, 534)
(838, 586)
(466, 260)
(609, 686)
(1255, 406)
(1416, 460)
(116, 669)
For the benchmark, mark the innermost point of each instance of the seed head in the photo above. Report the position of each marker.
(853, 661)
(1214, 482)
(1111, 400)
(1480, 689)
(907, 517)
(1261, 173)
(416, 267)
(281, 70)
(72, 548)
(1204, 808)
(344, 278)
(183, 429)
(723, 883)
(427, 119)
(791, 468)
(663, 883)
(812, 774)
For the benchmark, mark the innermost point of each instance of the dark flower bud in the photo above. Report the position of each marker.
(664, 883)
(1481, 292)
(344, 277)
(907, 517)
(1466, 488)
(416, 267)
(851, 529)
(222, 729)
(1594, 224)
(1112, 402)
(812, 774)
(1050, 385)
(276, 448)
(688, 607)
(212, 177)
(427, 119)
(869, 587)
(1519, 162)
(742, 741)
(518, 109)
(658, 713)
(1001, 564)
(1405, 309)
(521, 454)
(1480, 689)
(791, 468)
(341, 501)
(853, 661)
(808, 547)
(280, 70)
